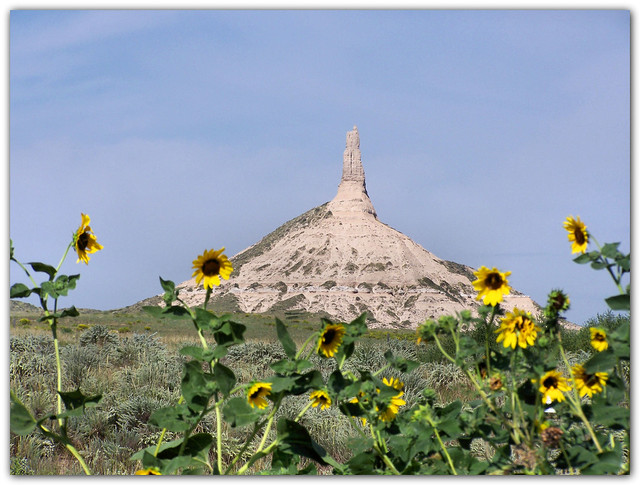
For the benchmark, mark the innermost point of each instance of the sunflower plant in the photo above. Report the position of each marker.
(539, 413)
(56, 285)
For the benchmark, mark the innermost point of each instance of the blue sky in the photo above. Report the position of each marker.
(179, 131)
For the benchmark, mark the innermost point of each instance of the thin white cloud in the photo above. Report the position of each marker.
(82, 28)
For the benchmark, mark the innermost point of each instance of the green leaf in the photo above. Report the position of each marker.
(176, 312)
(224, 378)
(48, 288)
(288, 367)
(619, 302)
(282, 384)
(67, 312)
(174, 456)
(587, 257)
(170, 294)
(19, 290)
(198, 353)
(601, 362)
(65, 283)
(154, 311)
(306, 382)
(237, 412)
(44, 268)
(611, 417)
(294, 438)
(624, 261)
(609, 462)
(204, 319)
(400, 363)
(610, 250)
(620, 341)
(230, 333)
(21, 420)
(363, 463)
(76, 402)
(194, 385)
(337, 382)
(59, 287)
(285, 339)
(599, 265)
(176, 418)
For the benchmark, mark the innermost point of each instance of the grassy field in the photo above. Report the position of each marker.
(133, 360)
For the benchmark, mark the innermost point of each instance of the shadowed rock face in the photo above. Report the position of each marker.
(339, 259)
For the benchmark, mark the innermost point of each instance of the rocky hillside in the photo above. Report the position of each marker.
(339, 259)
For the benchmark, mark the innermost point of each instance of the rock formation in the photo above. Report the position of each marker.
(338, 259)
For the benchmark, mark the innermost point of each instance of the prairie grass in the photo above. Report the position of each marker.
(140, 371)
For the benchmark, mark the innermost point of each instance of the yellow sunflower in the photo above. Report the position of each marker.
(210, 266)
(84, 241)
(552, 386)
(578, 235)
(588, 384)
(599, 339)
(257, 394)
(320, 398)
(491, 285)
(517, 328)
(392, 408)
(149, 471)
(331, 339)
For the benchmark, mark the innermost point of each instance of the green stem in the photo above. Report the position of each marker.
(219, 436)
(256, 456)
(304, 410)
(442, 351)
(78, 457)
(56, 348)
(256, 428)
(72, 449)
(269, 423)
(382, 369)
(379, 446)
(27, 271)
(206, 298)
(64, 256)
(444, 449)
(356, 427)
(304, 345)
(164, 431)
(489, 327)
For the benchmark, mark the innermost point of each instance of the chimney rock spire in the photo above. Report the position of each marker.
(351, 161)
(352, 194)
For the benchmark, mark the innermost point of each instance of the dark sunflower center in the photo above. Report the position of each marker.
(599, 337)
(256, 393)
(329, 335)
(550, 382)
(591, 380)
(558, 302)
(520, 324)
(83, 241)
(494, 281)
(579, 235)
(211, 267)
